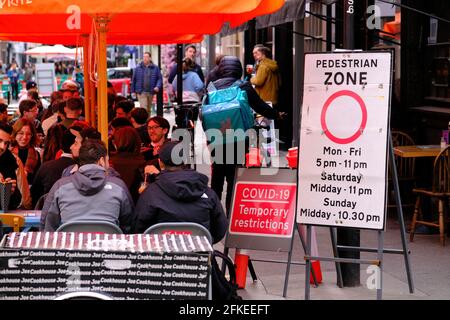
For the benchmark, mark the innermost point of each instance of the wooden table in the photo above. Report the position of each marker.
(417, 151)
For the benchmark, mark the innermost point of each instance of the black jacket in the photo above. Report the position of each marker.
(181, 196)
(255, 102)
(48, 173)
(8, 167)
(228, 72)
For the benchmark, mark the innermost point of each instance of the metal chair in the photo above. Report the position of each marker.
(180, 227)
(184, 228)
(440, 190)
(90, 226)
(83, 295)
(40, 203)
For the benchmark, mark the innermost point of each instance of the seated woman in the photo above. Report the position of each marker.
(53, 142)
(23, 145)
(127, 161)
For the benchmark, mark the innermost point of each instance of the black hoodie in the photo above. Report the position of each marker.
(181, 196)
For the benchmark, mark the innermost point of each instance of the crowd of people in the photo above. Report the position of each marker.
(58, 163)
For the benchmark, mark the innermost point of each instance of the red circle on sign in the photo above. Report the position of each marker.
(362, 126)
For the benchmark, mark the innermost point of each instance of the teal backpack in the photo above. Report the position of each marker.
(226, 109)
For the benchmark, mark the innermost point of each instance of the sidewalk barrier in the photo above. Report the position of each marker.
(241, 262)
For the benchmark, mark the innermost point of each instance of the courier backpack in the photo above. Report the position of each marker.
(226, 114)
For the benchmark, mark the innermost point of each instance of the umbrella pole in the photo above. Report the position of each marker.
(102, 23)
(87, 88)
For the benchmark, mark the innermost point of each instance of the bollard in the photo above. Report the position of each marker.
(315, 264)
(241, 262)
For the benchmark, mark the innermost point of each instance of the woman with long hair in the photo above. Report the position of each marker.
(127, 160)
(53, 142)
(24, 141)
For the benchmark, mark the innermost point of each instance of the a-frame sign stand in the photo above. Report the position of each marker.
(379, 250)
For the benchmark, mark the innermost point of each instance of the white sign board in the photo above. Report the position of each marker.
(343, 140)
(45, 78)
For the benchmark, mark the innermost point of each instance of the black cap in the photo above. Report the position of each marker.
(90, 133)
(30, 85)
(169, 156)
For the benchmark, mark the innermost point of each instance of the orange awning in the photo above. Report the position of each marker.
(150, 25)
(133, 6)
(119, 39)
(23, 20)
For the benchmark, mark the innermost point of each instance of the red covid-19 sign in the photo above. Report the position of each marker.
(263, 209)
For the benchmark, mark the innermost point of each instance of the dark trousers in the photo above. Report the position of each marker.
(15, 90)
(225, 170)
(219, 173)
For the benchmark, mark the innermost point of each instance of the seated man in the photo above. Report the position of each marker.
(51, 171)
(89, 194)
(180, 195)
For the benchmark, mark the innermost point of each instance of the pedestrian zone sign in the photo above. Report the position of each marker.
(343, 140)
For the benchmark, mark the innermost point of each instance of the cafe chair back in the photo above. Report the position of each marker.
(90, 226)
(40, 203)
(191, 228)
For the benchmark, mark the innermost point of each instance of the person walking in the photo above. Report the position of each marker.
(13, 75)
(28, 73)
(229, 71)
(192, 84)
(189, 52)
(146, 81)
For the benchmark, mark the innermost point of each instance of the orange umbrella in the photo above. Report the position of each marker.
(123, 22)
(136, 6)
(135, 39)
